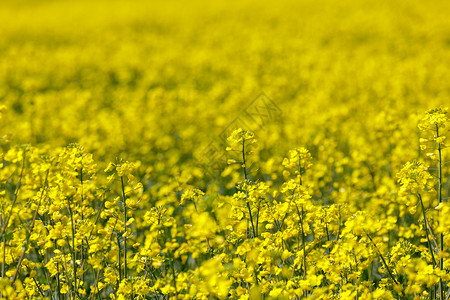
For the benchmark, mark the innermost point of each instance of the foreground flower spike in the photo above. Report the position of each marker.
(123, 169)
(435, 118)
(435, 128)
(241, 141)
(413, 177)
(239, 136)
(298, 161)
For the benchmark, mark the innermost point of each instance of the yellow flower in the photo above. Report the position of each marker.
(241, 139)
(413, 177)
(436, 117)
(299, 160)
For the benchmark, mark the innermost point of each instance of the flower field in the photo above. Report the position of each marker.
(224, 150)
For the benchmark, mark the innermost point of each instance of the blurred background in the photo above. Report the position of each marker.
(159, 81)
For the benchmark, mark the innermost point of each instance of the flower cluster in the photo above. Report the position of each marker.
(413, 177)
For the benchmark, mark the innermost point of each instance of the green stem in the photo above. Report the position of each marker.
(300, 168)
(304, 247)
(4, 256)
(425, 220)
(74, 251)
(124, 229)
(441, 260)
(300, 214)
(250, 213)
(243, 158)
(382, 258)
(39, 288)
(246, 192)
(119, 259)
(82, 218)
(172, 267)
(426, 228)
(58, 284)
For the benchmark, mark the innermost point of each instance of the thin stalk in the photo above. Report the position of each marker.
(426, 228)
(255, 273)
(95, 284)
(74, 251)
(304, 247)
(119, 259)
(243, 159)
(58, 283)
(172, 267)
(305, 292)
(124, 229)
(356, 266)
(251, 218)
(74, 291)
(339, 223)
(301, 223)
(303, 241)
(382, 258)
(246, 192)
(44, 270)
(82, 258)
(300, 169)
(326, 225)
(39, 288)
(441, 260)
(4, 255)
(425, 220)
(257, 216)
